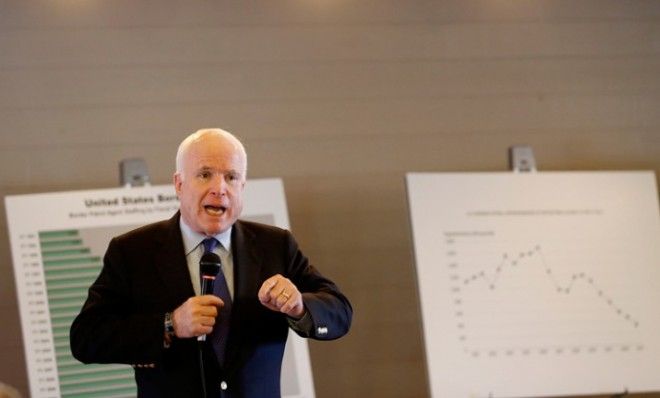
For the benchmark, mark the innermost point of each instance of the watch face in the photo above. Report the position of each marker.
(169, 327)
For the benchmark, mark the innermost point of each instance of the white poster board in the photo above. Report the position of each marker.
(538, 284)
(57, 243)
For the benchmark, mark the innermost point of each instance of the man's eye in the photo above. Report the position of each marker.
(205, 175)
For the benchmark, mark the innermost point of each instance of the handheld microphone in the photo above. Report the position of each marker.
(209, 266)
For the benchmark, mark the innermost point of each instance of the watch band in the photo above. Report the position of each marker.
(169, 325)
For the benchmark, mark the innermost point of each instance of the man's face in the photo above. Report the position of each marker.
(210, 186)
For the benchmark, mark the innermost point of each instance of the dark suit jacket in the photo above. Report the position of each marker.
(145, 275)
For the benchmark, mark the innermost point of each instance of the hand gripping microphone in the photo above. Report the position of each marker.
(209, 266)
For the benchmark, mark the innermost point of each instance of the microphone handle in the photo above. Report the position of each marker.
(207, 288)
(207, 285)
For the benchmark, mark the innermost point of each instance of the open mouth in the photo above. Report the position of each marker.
(215, 210)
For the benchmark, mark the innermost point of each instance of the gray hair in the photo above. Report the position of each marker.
(197, 135)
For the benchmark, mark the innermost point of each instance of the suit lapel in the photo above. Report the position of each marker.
(247, 266)
(171, 265)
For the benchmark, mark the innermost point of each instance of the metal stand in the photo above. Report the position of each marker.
(133, 173)
(521, 159)
(621, 395)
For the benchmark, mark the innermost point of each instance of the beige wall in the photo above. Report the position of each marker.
(338, 97)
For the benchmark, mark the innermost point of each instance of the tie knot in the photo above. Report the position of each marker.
(210, 244)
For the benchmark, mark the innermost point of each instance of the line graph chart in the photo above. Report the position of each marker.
(551, 277)
(559, 299)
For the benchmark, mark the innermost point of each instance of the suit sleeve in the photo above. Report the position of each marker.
(112, 327)
(330, 311)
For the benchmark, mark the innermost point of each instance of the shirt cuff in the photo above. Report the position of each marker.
(303, 325)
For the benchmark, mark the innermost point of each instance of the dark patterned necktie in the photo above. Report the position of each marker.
(221, 329)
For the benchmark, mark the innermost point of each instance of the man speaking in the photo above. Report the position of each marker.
(145, 308)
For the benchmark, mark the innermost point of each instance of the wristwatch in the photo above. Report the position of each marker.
(169, 327)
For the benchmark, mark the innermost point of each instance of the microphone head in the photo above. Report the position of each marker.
(209, 264)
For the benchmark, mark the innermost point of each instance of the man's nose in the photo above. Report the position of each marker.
(219, 185)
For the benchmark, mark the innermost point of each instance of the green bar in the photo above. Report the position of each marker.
(58, 243)
(83, 279)
(80, 260)
(64, 271)
(78, 366)
(59, 311)
(73, 301)
(63, 354)
(58, 234)
(69, 266)
(71, 291)
(73, 275)
(67, 252)
(61, 329)
(104, 394)
(60, 355)
(70, 303)
(123, 373)
(64, 319)
(97, 385)
(61, 340)
(92, 368)
(57, 289)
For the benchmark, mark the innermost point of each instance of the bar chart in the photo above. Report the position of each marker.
(71, 262)
(57, 253)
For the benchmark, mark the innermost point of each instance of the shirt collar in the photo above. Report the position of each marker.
(192, 239)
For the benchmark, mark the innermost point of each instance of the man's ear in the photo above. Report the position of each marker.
(177, 180)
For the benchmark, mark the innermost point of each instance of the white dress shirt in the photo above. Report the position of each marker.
(194, 249)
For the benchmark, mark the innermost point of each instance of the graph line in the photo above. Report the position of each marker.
(514, 261)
